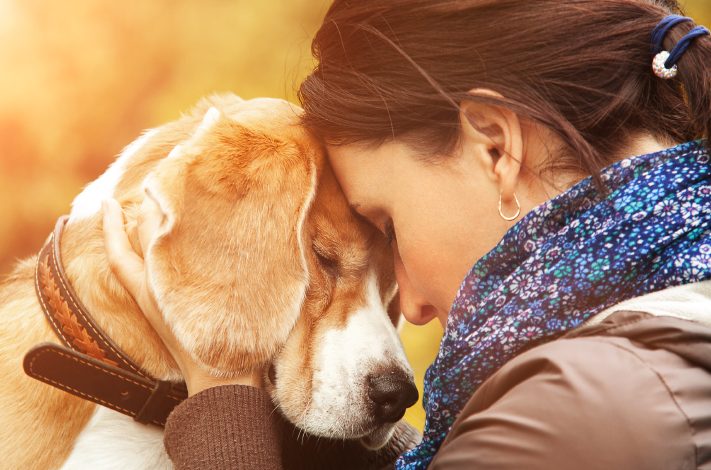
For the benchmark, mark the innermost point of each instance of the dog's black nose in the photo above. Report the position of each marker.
(391, 394)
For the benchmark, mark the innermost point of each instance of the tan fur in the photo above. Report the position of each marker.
(235, 273)
(245, 273)
(24, 424)
(356, 246)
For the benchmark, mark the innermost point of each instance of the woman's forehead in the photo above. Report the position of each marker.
(366, 174)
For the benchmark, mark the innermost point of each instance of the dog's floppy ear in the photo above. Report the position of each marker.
(228, 266)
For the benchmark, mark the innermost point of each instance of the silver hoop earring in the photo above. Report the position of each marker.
(518, 209)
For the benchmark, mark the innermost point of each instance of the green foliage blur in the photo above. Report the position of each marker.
(82, 78)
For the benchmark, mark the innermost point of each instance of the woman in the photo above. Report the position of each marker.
(543, 143)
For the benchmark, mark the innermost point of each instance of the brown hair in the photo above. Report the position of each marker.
(581, 68)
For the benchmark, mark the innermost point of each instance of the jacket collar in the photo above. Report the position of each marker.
(677, 319)
(687, 302)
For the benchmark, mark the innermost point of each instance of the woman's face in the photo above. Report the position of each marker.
(442, 216)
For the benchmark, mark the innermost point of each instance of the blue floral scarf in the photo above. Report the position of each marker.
(565, 261)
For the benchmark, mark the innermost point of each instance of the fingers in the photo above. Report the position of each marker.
(130, 270)
(123, 260)
(150, 218)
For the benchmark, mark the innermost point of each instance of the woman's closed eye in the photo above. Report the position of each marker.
(389, 231)
(373, 218)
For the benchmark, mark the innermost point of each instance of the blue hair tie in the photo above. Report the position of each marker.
(662, 29)
(684, 44)
(665, 63)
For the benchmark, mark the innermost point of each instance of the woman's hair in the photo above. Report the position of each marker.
(581, 68)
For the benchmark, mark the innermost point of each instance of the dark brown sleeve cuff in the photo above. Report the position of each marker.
(226, 427)
(304, 452)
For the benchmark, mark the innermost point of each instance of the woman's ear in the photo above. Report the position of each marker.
(494, 134)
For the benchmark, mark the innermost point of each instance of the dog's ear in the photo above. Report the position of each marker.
(227, 265)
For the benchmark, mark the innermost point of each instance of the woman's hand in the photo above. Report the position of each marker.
(130, 270)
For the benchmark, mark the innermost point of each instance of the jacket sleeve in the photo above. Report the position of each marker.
(585, 403)
(227, 427)
(237, 427)
(302, 452)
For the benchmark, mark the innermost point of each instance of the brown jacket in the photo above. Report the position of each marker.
(629, 390)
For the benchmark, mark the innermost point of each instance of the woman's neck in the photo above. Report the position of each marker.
(642, 144)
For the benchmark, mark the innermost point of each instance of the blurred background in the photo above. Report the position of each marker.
(82, 78)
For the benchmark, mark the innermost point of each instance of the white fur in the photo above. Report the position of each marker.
(88, 202)
(346, 356)
(112, 441)
(208, 121)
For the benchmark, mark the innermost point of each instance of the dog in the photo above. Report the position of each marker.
(258, 262)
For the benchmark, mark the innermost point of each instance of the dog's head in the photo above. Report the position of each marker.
(259, 262)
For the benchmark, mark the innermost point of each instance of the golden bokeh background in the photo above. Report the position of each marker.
(82, 78)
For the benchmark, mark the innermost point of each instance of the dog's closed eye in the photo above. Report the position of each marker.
(329, 265)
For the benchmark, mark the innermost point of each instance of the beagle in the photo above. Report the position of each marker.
(258, 262)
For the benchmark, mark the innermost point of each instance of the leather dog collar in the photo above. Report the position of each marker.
(90, 365)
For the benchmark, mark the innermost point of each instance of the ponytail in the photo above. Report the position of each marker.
(688, 65)
(695, 77)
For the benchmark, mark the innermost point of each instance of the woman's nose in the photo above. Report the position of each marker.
(413, 305)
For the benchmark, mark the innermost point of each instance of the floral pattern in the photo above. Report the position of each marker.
(570, 258)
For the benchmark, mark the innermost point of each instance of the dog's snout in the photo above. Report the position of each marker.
(391, 394)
